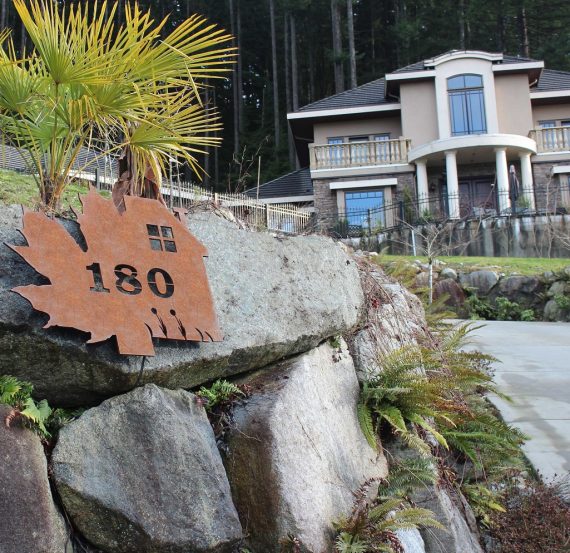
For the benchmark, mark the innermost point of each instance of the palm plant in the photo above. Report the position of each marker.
(124, 91)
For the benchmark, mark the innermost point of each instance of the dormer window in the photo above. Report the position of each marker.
(466, 105)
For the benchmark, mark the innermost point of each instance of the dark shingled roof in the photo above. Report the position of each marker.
(419, 66)
(369, 94)
(551, 79)
(297, 183)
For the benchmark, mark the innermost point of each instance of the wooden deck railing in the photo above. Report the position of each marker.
(359, 154)
(551, 139)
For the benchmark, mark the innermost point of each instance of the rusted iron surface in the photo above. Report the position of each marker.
(141, 276)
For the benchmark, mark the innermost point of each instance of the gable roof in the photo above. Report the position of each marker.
(550, 79)
(369, 94)
(296, 183)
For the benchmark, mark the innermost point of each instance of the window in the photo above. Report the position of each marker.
(466, 105)
(358, 150)
(161, 238)
(382, 147)
(335, 152)
(365, 208)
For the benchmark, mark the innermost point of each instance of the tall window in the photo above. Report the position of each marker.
(466, 105)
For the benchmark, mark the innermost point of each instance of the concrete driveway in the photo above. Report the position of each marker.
(534, 370)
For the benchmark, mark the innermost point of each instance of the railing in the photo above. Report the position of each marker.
(551, 139)
(409, 212)
(286, 218)
(359, 154)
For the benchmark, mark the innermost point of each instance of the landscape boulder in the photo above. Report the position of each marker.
(524, 290)
(296, 453)
(454, 294)
(141, 473)
(480, 281)
(394, 318)
(275, 296)
(29, 520)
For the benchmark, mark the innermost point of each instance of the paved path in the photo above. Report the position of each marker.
(535, 372)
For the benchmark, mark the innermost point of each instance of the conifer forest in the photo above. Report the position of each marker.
(293, 52)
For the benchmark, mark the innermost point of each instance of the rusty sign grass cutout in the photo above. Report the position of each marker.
(141, 276)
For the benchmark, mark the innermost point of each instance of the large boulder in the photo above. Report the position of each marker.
(296, 453)
(29, 520)
(141, 473)
(452, 510)
(454, 294)
(524, 290)
(394, 318)
(482, 282)
(275, 297)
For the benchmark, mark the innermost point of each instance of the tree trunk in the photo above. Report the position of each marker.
(351, 47)
(275, 74)
(235, 92)
(239, 67)
(294, 65)
(3, 15)
(23, 37)
(207, 148)
(461, 18)
(290, 144)
(311, 75)
(523, 32)
(337, 47)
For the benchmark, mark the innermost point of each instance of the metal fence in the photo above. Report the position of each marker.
(410, 212)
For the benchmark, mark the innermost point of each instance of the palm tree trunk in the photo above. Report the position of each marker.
(239, 66)
(351, 47)
(461, 24)
(275, 73)
(337, 47)
(4, 8)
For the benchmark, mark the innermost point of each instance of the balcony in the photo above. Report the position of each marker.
(551, 139)
(351, 155)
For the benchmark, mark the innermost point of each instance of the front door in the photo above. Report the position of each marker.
(477, 197)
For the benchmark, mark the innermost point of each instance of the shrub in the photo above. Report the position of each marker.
(535, 520)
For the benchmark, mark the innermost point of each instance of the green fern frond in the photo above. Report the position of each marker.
(406, 476)
(408, 519)
(366, 424)
(420, 421)
(37, 413)
(346, 543)
(219, 392)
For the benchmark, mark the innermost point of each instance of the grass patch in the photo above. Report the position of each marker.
(508, 265)
(22, 189)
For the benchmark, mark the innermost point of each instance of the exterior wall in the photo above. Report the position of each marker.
(459, 67)
(359, 127)
(419, 115)
(551, 190)
(513, 104)
(551, 112)
(328, 203)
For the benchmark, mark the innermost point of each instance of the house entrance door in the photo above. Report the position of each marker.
(477, 197)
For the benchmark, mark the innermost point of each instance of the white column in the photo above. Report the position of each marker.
(452, 184)
(422, 187)
(527, 181)
(502, 179)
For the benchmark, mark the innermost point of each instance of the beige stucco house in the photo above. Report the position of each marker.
(463, 134)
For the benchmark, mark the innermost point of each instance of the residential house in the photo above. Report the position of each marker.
(463, 134)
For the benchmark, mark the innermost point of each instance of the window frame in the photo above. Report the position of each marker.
(470, 97)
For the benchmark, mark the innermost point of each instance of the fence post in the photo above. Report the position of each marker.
(267, 216)
(401, 209)
(97, 183)
(369, 222)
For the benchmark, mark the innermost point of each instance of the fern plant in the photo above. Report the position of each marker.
(221, 391)
(18, 395)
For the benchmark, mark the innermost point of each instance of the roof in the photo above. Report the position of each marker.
(551, 79)
(374, 93)
(420, 65)
(369, 94)
(297, 183)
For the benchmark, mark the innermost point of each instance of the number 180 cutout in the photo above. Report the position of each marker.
(142, 275)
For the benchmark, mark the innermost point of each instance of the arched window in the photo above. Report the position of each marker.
(466, 104)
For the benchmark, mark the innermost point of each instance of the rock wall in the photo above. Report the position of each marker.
(140, 471)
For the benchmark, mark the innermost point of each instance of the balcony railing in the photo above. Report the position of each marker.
(359, 154)
(551, 139)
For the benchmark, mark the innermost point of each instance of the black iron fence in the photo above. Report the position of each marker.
(411, 212)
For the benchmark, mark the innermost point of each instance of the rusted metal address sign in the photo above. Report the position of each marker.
(141, 275)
